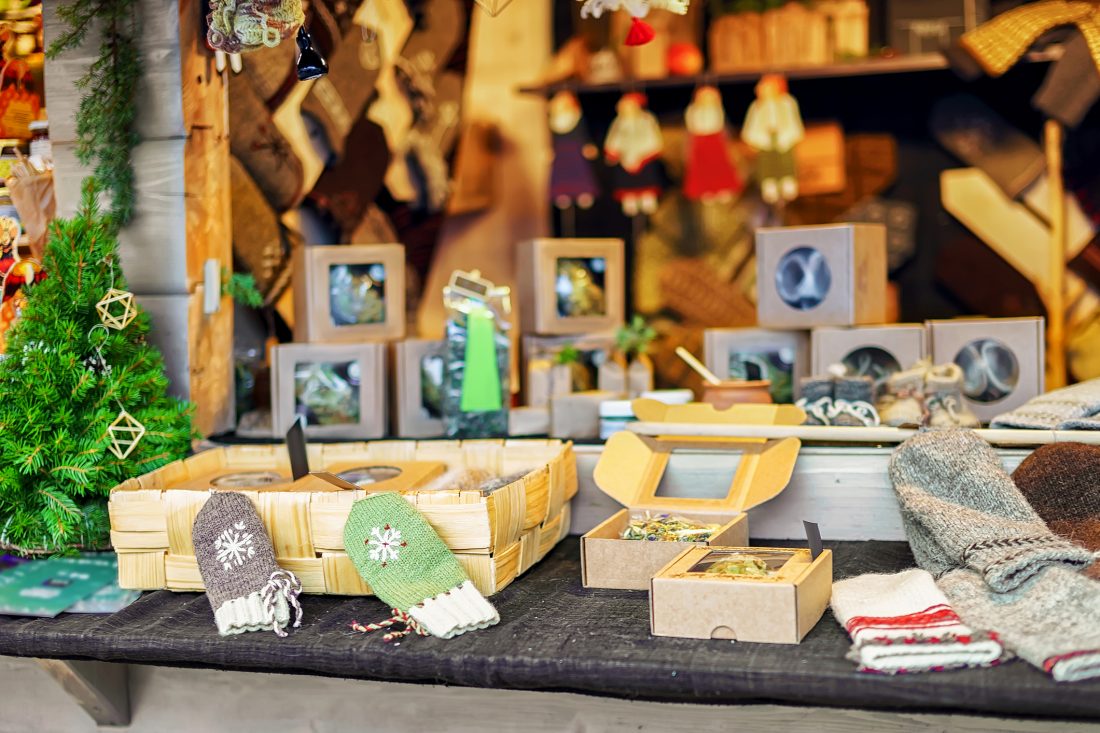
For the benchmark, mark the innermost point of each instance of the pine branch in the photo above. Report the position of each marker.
(105, 117)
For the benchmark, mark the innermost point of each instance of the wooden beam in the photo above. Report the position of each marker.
(1054, 294)
(101, 689)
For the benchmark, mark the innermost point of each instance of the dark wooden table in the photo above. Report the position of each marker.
(555, 635)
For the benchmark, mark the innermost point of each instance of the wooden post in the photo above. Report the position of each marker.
(100, 688)
(182, 213)
(1055, 295)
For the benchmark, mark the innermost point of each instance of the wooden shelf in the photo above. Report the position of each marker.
(843, 70)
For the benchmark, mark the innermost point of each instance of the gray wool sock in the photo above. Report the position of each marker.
(1071, 408)
(992, 555)
(246, 588)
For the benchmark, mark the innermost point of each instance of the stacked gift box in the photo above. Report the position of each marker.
(349, 301)
(822, 305)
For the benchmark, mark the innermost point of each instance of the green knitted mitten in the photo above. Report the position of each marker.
(408, 566)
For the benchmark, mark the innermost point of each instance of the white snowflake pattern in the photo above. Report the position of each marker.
(234, 546)
(385, 544)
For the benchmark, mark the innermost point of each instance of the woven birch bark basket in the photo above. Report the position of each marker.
(496, 535)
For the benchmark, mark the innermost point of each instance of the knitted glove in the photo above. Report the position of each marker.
(962, 510)
(994, 559)
(241, 27)
(247, 589)
(408, 566)
(1070, 408)
(903, 623)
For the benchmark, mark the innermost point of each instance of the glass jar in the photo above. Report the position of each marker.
(41, 148)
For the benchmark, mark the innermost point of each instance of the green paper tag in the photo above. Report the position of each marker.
(481, 390)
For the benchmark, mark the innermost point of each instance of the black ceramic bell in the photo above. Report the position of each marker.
(311, 64)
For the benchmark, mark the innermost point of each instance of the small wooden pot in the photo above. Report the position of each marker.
(734, 392)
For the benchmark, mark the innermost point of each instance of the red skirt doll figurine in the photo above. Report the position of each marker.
(571, 178)
(709, 174)
(633, 146)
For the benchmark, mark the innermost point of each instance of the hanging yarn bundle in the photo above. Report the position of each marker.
(235, 27)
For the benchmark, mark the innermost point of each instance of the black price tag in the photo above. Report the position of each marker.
(813, 538)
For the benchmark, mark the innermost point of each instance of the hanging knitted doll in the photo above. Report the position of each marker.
(571, 178)
(640, 32)
(633, 146)
(235, 27)
(709, 171)
(773, 127)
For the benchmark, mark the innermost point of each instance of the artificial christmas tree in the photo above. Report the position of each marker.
(69, 378)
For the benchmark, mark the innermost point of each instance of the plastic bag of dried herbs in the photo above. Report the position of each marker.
(667, 528)
(476, 368)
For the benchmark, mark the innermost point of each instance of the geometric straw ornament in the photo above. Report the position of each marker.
(116, 309)
(493, 7)
(125, 433)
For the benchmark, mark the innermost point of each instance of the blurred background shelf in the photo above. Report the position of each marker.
(877, 66)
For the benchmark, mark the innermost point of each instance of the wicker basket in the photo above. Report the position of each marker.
(496, 536)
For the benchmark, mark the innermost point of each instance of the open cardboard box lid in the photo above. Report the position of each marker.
(631, 467)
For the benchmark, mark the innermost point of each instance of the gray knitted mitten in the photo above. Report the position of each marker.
(962, 510)
(247, 589)
(1070, 408)
(993, 557)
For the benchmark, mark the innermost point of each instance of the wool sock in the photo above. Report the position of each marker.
(902, 623)
(408, 566)
(1070, 408)
(1001, 568)
(246, 588)
(257, 142)
(1061, 481)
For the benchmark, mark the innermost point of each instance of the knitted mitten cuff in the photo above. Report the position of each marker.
(1071, 408)
(250, 613)
(961, 509)
(247, 590)
(408, 566)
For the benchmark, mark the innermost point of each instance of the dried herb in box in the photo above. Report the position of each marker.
(667, 528)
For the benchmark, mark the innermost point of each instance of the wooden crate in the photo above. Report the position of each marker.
(496, 536)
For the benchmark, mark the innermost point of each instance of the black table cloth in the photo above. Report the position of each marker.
(556, 635)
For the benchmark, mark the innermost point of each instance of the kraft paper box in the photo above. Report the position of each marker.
(686, 601)
(873, 351)
(340, 389)
(349, 293)
(576, 416)
(1002, 360)
(418, 393)
(633, 468)
(537, 352)
(571, 286)
(781, 357)
(831, 275)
